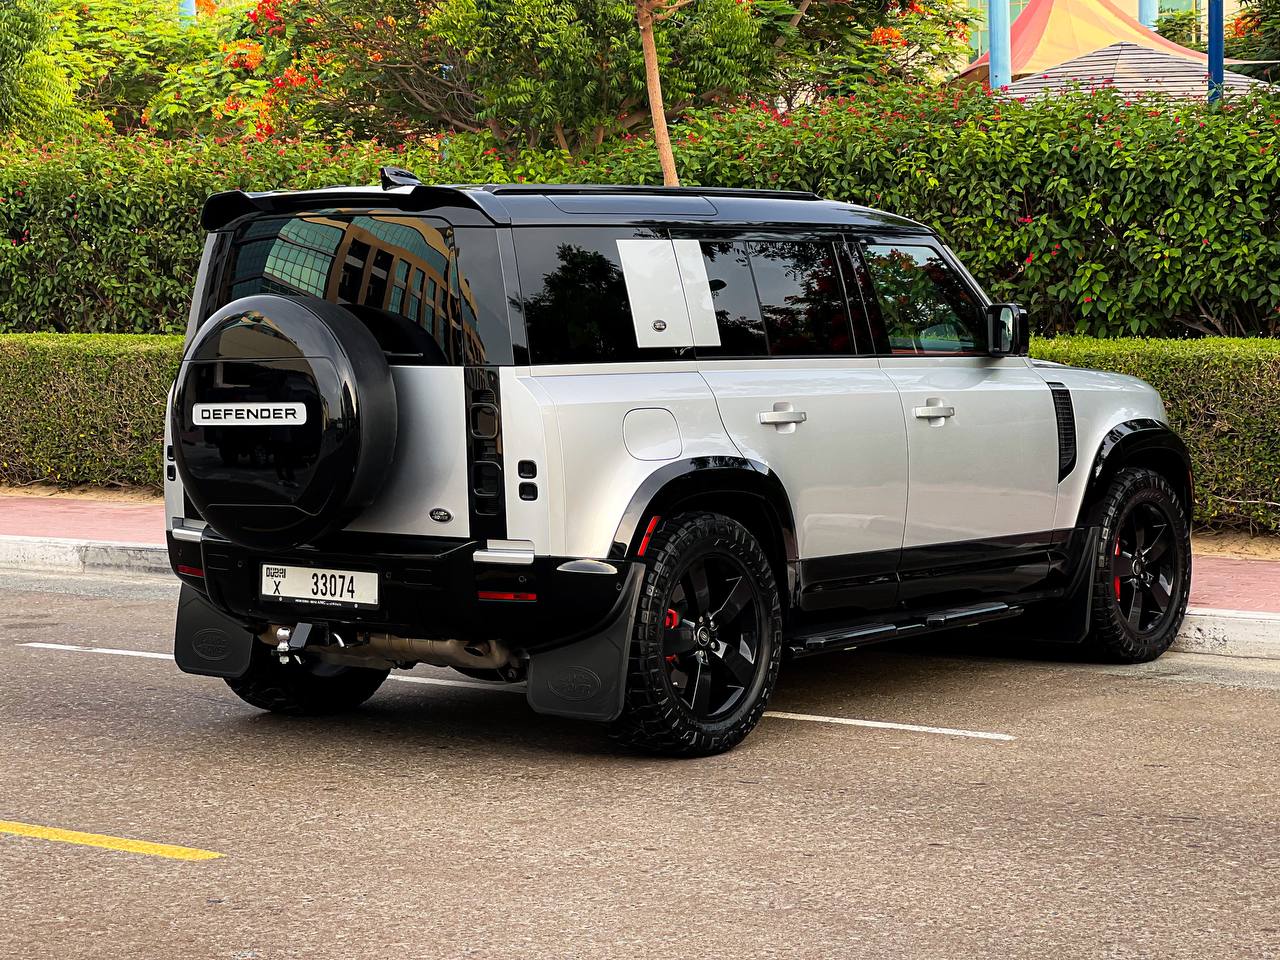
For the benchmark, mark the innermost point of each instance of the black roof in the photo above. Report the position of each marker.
(564, 204)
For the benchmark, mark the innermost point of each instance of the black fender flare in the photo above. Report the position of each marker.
(1142, 442)
(684, 479)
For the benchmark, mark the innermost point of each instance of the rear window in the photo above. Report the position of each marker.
(429, 292)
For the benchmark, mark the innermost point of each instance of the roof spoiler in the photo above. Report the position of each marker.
(224, 209)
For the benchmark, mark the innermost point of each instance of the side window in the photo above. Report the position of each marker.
(925, 306)
(802, 299)
(733, 298)
(575, 299)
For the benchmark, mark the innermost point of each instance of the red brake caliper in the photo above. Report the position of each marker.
(671, 621)
(1117, 578)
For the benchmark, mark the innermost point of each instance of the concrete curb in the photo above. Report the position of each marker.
(1230, 633)
(82, 556)
(1224, 633)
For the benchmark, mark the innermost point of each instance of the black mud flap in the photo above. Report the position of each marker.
(207, 641)
(1070, 619)
(587, 679)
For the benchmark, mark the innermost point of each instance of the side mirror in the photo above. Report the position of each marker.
(1006, 330)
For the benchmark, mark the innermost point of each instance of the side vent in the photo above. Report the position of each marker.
(1066, 416)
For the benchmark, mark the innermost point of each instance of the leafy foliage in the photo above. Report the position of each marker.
(1254, 34)
(1183, 27)
(1101, 216)
(35, 93)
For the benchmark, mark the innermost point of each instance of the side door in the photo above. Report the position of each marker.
(981, 431)
(787, 360)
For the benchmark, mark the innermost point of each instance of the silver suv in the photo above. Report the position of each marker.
(633, 447)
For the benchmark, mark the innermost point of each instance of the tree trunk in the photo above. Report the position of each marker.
(653, 82)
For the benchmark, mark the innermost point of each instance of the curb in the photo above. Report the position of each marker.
(1230, 633)
(82, 556)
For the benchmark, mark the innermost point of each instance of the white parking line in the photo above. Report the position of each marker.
(884, 725)
(111, 650)
(520, 688)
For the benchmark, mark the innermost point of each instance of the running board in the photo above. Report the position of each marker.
(845, 638)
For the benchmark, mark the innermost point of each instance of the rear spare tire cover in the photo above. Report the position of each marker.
(284, 420)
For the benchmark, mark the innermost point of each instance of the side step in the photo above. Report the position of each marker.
(845, 638)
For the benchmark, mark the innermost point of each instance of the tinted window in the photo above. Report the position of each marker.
(925, 306)
(574, 296)
(733, 296)
(802, 299)
(428, 292)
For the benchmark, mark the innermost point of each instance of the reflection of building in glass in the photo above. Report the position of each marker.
(401, 267)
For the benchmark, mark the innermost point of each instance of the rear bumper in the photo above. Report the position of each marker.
(428, 588)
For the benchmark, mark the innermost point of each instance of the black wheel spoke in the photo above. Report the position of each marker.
(1159, 545)
(739, 667)
(734, 603)
(1159, 594)
(1135, 610)
(1123, 565)
(699, 590)
(699, 689)
(680, 639)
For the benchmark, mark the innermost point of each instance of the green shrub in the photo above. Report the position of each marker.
(84, 409)
(1220, 395)
(1101, 216)
(90, 409)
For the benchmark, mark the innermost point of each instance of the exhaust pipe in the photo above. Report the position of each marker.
(474, 655)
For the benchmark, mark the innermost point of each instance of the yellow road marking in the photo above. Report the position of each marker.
(144, 847)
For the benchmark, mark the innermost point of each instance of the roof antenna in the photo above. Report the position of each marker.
(398, 177)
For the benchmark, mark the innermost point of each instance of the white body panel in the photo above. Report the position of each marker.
(989, 470)
(591, 475)
(1101, 401)
(845, 466)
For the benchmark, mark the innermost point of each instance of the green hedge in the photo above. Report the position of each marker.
(1220, 395)
(84, 409)
(1102, 216)
(90, 409)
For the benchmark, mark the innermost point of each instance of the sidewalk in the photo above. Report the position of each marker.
(1235, 604)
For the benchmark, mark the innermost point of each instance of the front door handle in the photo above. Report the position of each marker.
(934, 410)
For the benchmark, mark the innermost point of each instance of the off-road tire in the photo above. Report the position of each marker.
(654, 717)
(308, 689)
(1112, 638)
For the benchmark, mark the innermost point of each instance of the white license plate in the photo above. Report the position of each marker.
(333, 588)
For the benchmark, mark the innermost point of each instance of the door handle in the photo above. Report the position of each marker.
(934, 411)
(783, 416)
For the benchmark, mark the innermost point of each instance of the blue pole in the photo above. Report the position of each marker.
(1000, 68)
(186, 12)
(1148, 13)
(1215, 50)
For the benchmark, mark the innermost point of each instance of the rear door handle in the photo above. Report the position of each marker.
(783, 416)
(934, 412)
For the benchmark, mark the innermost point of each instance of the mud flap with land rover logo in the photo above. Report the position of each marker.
(207, 641)
(586, 679)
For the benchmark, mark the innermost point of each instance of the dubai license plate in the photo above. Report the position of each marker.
(331, 588)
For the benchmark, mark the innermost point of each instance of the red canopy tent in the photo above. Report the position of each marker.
(1050, 32)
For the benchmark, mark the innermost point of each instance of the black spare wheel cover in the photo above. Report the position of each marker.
(284, 420)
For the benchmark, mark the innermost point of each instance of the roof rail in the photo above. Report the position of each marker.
(588, 188)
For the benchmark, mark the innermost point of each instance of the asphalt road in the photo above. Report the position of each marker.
(1133, 813)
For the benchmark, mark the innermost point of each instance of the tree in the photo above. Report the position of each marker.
(35, 92)
(649, 13)
(1254, 34)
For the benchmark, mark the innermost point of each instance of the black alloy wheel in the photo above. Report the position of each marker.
(1143, 568)
(714, 626)
(707, 641)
